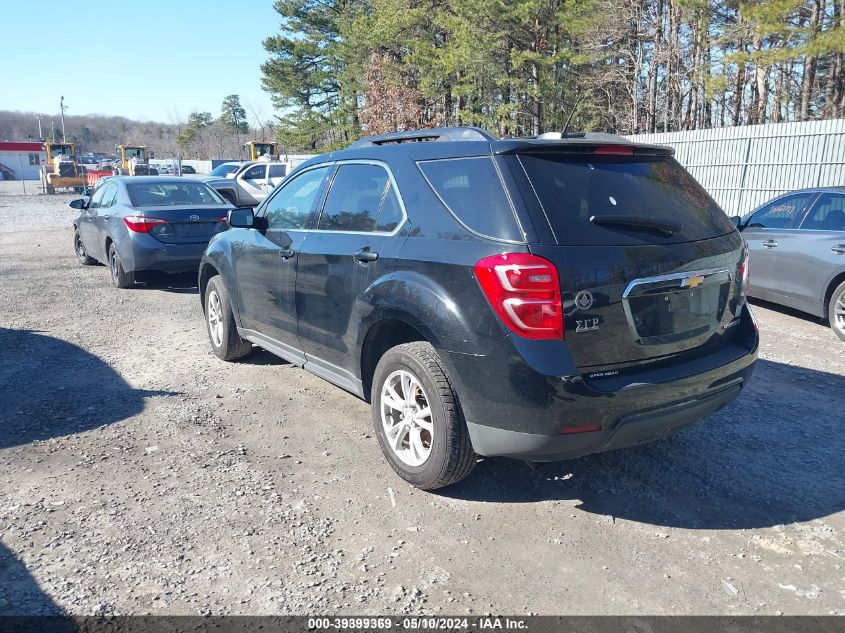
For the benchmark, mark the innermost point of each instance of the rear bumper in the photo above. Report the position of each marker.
(636, 428)
(147, 253)
(514, 409)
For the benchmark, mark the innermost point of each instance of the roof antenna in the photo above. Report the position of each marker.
(574, 108)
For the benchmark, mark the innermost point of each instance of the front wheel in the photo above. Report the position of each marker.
(119, 277)
(836, 311)
(417, 418)
(222, 331)
(81, 253)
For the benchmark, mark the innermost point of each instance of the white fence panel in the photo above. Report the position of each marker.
(742, 167)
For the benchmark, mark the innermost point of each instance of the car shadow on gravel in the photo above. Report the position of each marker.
(50, 388)
(773, 456)
(786, 310)
(21, 595)
(261, 357)
(179, 283)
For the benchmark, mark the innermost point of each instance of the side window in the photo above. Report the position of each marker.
(390, 213)
(354, 199)
(780, 214)
(109, 196)
(256, 173)
(471, 190)
(97, 198)
(278, 171)
(290, 207)
(828, 214)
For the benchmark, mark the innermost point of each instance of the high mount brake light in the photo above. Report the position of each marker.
(524, 291)
(140, 224)
(615, 150)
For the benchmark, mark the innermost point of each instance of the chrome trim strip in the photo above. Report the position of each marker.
(670, 277)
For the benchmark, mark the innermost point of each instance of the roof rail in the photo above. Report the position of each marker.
(418, 136)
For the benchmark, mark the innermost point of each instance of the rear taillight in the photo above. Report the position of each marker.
(524, 290)
(742, 271)
(140, 224)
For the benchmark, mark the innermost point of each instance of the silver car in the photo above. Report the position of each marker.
(797, 247)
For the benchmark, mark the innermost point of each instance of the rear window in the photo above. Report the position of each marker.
(172, 194)
(572, 189)
(354, 199)
(471, 190)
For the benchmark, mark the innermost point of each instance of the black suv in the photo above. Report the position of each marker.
(540, 298)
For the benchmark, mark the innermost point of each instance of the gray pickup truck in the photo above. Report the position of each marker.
(250, 183)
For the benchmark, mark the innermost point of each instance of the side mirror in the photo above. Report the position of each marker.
(241, 218)
(737, 221)
(79, 203)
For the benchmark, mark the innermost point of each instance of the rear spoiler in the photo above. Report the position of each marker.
(578, 146)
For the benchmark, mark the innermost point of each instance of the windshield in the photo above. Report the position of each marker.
(224, 169)
(172, 194)
(262, 149)
(573, 189)
(135, 152)
(60, 150)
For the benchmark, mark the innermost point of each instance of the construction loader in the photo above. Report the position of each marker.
(258, 150)
(62, 170)
(134, 161)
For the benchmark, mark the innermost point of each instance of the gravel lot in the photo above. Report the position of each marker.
(139, 474)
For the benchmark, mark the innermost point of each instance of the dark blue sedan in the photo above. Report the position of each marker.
(134, 224)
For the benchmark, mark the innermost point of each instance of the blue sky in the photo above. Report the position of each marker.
(149, 60)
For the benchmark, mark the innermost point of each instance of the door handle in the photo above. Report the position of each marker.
(839, 249)
(106, 216)
(770, 243)
(286, 253)
(365, 255)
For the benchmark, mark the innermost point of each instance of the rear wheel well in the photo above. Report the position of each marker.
(208, 271)
(380, 338)
(829, 293)
(108, 243)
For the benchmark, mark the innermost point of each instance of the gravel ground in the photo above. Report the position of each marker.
(139, 474)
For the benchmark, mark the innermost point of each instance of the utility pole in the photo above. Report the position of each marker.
(40, 135)
(63, 107)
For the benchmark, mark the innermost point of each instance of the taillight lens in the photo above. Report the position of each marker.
(742, 271)
(524, 290)
(140, 224)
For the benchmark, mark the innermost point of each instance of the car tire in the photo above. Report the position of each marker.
(431, 451)
(119, 277)
(220, 323)
(836, 311)
(79, 249)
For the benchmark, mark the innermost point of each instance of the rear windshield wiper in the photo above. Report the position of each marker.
(636, 222)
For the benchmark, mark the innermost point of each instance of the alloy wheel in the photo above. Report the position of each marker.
(838, 320)
(406, 417)
(114, 265)
(214, 314)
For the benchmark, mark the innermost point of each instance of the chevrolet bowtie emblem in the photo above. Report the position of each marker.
(693, 281)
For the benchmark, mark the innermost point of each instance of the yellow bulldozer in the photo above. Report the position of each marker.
(256, 150)
(134, 161)
(61, 171)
